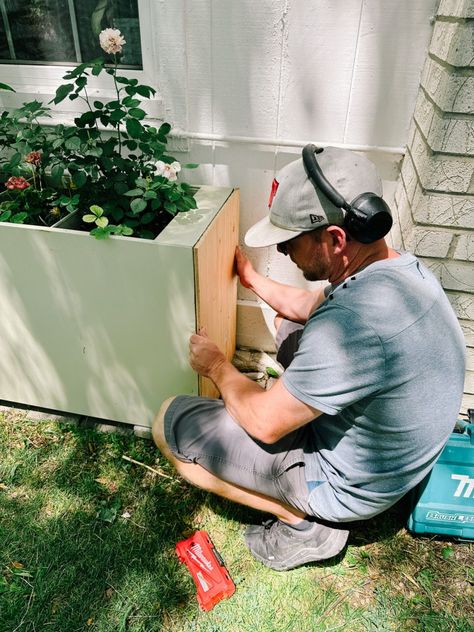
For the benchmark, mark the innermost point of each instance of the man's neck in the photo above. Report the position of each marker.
(359, 256)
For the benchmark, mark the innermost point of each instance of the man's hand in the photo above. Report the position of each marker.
(245, 269)
(204, 356)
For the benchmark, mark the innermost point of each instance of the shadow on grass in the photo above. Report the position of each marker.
(87, 540)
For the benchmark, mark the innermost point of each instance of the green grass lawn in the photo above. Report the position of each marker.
(87, 543)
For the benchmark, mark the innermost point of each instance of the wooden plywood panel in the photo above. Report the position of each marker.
(216, 283)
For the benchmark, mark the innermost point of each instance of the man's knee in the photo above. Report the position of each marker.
(158, 428)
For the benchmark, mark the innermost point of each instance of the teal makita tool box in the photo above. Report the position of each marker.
(443, 503)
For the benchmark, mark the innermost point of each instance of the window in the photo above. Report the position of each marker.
(66, 32)
(140, 21)
(155, 36)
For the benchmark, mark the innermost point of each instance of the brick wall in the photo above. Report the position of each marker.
(434, 201)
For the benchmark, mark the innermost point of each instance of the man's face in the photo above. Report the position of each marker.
(310, 252)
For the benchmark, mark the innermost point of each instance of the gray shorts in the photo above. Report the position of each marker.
(200, 430)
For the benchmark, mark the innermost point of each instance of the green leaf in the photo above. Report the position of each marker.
(120, 187)
(97, 210)
(270, 371)
(141, 182)
(134, 127)
(150, 195)
(89, 219)
(117, 115)
(170, 207)
(137, 113)
(134, 193)
(88, 118)
(19, 218)
(138, 205)
(117, 213)
(130, 102)
(131, 144)
(122, 80)
(75, 72)
(164, 129)
(94, 151)
(81, 82)
(79, 178)
(447, 552)
(15, 160)
(62, 92)
(190, 165)
(98, 104)
(187, 204)
(5, 216)
(124, 230)
(4, 86)
(97, 69)
(101, 233)
(146, 218)
(73, 143)
(102, 221)
(145, 91)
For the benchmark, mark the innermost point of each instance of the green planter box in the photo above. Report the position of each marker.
(101, 328)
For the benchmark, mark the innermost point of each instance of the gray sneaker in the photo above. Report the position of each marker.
(282, 548)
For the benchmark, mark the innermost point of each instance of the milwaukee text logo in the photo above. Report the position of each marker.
(465, 486)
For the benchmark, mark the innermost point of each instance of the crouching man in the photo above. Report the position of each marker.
(374, 371)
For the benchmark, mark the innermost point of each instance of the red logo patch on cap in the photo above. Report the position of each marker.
(275, 185)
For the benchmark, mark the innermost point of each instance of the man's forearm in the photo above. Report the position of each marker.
(291, 302)
(239, 393)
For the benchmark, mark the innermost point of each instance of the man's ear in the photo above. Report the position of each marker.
(338, 237)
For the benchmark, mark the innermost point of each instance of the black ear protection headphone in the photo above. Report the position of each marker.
(366, 219)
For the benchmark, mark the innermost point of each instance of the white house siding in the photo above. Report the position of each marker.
(252, 82)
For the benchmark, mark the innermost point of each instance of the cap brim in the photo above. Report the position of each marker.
(264, 233)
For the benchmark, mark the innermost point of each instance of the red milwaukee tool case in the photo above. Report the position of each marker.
(207, 568)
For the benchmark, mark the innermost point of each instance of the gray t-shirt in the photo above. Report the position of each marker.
(383, 358)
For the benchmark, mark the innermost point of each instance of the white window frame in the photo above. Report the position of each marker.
(40, 82)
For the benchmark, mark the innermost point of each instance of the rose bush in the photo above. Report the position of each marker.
(111, 165)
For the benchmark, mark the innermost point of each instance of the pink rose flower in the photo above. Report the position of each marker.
(168, 171)
(17, 183)
(111, 41)
(34, 157)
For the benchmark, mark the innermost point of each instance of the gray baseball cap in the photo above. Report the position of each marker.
(297, 207)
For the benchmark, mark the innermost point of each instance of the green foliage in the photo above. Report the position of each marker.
(88, 543)
(49, 171)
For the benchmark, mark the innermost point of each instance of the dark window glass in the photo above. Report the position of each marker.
(66, 31)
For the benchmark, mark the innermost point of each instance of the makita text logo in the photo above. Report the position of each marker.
(449, 517)
(465, 486)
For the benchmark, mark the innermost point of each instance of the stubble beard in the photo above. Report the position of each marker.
(317, 272)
